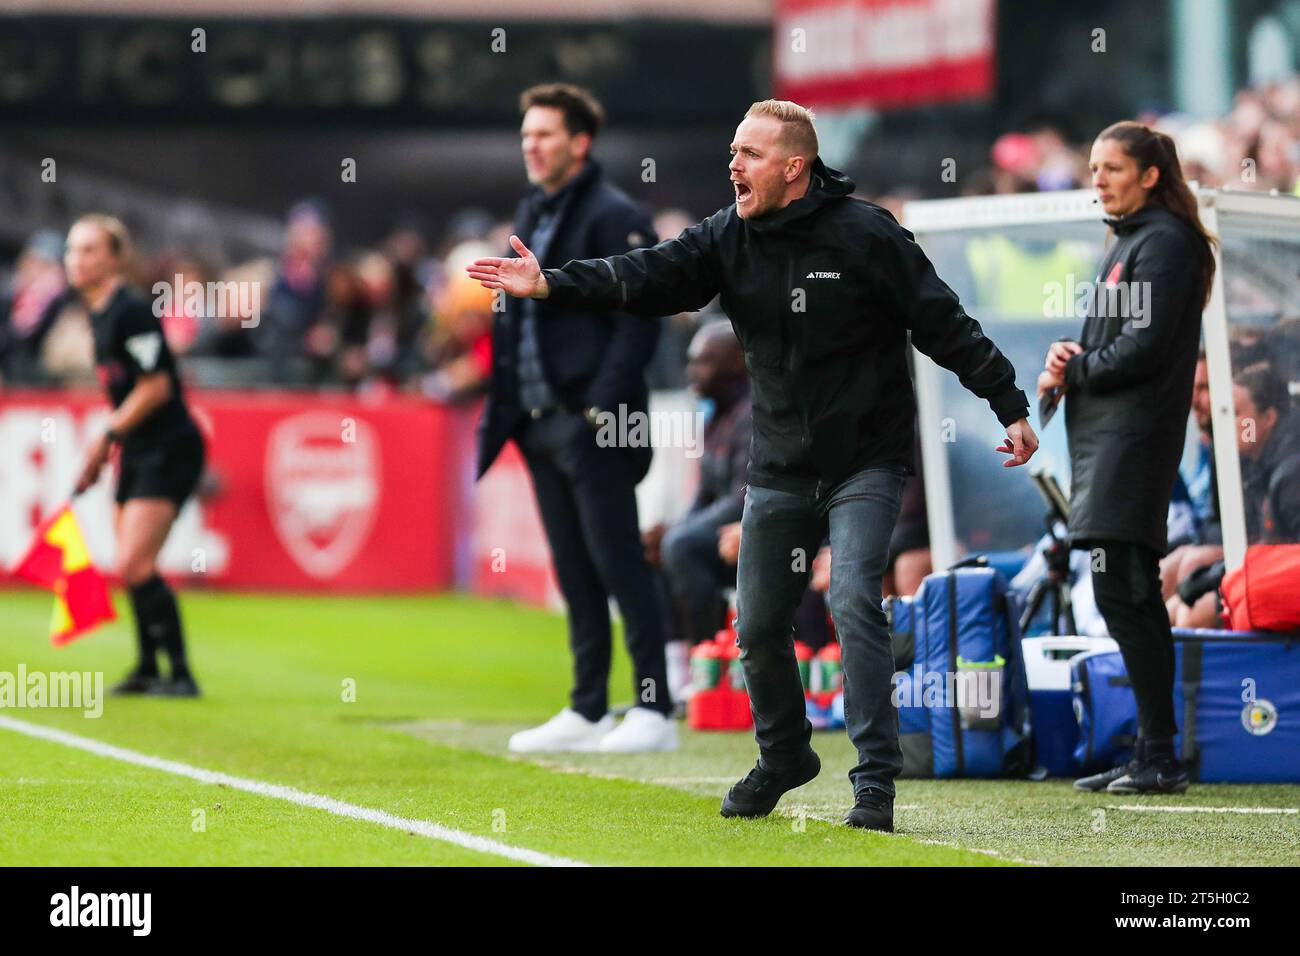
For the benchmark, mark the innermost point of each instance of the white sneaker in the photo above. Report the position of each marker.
(642, 730)
(567, 730)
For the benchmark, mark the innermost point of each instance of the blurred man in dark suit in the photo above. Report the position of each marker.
(557, 372)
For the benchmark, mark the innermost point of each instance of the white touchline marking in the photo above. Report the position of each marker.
(814, 812)
(433, 831)
(1140, 808)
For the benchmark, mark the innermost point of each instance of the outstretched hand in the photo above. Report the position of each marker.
(1020, 444)
(521, 277)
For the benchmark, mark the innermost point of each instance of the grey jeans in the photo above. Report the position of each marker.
(780, 535)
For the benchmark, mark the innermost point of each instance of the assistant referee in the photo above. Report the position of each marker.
(162, 451)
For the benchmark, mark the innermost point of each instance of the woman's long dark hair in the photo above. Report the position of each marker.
(1149, 148)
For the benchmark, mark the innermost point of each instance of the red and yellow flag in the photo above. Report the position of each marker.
(58, 560)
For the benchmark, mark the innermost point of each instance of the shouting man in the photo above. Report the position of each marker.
(822, 291)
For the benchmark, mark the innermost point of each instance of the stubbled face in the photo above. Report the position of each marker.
(88, 257)
(1201, 396)
(760, 166)
(1121, 187)
(552, 155)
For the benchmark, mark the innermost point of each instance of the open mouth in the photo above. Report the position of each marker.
(743, 192)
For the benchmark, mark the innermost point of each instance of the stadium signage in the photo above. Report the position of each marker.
(382, 479)
(402, 72)
(881, 53)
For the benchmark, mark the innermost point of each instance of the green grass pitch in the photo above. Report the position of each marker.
(440, 683)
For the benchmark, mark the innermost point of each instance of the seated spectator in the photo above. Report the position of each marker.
(1268, 440)
(691, 571)
(1206, 542)
(336, 343)
(297, 297)
(396, 315)
(29, 304)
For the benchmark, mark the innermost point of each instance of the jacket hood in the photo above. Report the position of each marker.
(828, 185)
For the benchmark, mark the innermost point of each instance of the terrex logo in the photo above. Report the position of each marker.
(822, 275)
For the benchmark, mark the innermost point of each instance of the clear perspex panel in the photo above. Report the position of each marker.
(1261, 281)
(1017, 263)
(1022, 283)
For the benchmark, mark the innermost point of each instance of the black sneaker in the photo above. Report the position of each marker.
(757, 794)
(136, 682)
(180, 686)
(1100, 781)
(872, 810)
(1159, 777)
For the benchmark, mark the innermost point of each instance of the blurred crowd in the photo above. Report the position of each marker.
(400, 315)
(1255, 147)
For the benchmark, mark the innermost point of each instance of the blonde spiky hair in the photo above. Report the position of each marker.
(798, 132)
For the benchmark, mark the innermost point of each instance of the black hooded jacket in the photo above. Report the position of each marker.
(1128, 393)
(822, 294)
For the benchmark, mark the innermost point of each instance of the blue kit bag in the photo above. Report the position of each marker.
(1236, 699)
(963, 704)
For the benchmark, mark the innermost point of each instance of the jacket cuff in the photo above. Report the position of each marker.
(1010, 406)
(561, 289)
(1074, 371)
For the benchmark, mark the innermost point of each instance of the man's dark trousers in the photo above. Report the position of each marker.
(587, 498)
(780, 535)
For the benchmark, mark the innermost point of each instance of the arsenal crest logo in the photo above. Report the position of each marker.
(322, 488)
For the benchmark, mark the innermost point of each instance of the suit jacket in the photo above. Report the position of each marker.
(589, 358)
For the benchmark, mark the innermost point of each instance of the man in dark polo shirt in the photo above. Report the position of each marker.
(556, 372)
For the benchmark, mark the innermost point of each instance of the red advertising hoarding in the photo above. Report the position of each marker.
(883, 54)
(303, 492)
